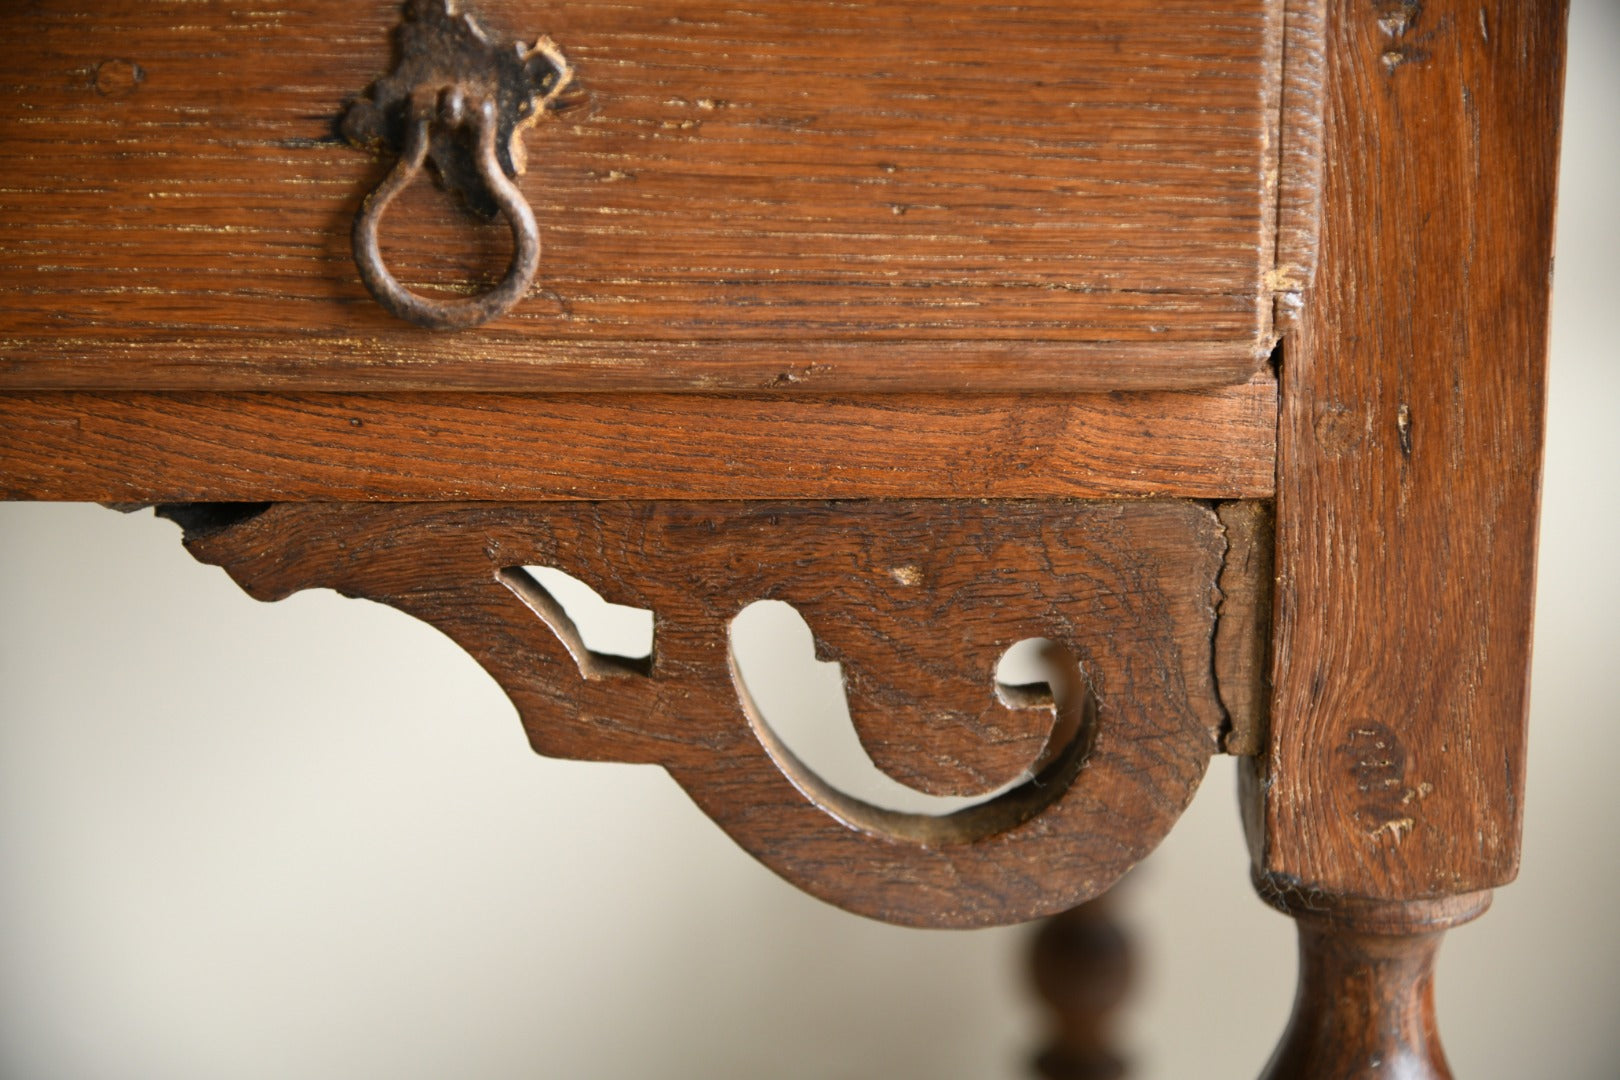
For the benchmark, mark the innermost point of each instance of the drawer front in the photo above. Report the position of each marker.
(912, 194)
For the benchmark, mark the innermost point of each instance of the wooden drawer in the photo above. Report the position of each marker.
(887, 194)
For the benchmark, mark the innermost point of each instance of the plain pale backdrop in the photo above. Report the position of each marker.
(307, 840)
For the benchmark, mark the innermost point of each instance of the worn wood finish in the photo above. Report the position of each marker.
(1299, 163)
(1214, 443)
(1365, 1006)
(916, 600)
(887, 194)
(1083, 969)
(1410, 455)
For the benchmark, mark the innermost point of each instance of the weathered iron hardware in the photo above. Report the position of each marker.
(460, 101)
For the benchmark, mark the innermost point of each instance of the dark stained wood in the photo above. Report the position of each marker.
(1365, 1006)
(1083, 970)
(1214, 443)
(916, 600)
(1365, 1010)
(1410, 455)
(1243, 632)
(888, 194)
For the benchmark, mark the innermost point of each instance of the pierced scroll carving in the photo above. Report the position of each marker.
(916, 601)
(538, 588)
(1070, 715)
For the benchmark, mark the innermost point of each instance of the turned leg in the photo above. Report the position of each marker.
(1365, 1004)
(1408, 453)
(1081, 962)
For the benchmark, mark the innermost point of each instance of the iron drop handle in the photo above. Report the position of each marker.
(458, 100)
(451, 109)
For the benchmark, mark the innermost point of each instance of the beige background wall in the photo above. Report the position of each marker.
(307, 840)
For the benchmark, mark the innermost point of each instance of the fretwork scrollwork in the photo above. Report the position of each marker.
(916, 601)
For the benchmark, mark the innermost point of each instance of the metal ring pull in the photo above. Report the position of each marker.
(451, 80)
(451, 110)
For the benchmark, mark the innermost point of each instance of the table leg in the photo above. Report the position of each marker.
(1388, 800)
(1365, 1005)
(1082, 965)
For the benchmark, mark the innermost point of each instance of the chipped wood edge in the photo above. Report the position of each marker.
(1299, 160)
(1274, 58)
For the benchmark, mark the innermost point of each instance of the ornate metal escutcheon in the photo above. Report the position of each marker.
(460, 101)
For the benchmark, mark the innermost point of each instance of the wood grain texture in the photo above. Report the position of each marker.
(1365, 1010)
(1215, 443)
(1299, 159)
(1410, 455)
(888, 194)
(916, 600)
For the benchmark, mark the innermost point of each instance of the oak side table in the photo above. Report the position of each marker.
(1200, 342)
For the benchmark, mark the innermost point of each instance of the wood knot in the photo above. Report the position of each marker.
(1338, 430)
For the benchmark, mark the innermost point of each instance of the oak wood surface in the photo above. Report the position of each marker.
(1410, 456)
(916, 600)
(1215, 443)
(887, 194)
(1365, 1010)
(1299, 185)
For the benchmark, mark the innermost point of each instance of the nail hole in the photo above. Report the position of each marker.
(604, 638)
(799, 711)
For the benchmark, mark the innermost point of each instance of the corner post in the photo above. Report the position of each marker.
(1388, 798)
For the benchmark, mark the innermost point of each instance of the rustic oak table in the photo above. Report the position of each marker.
(1200, 343)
